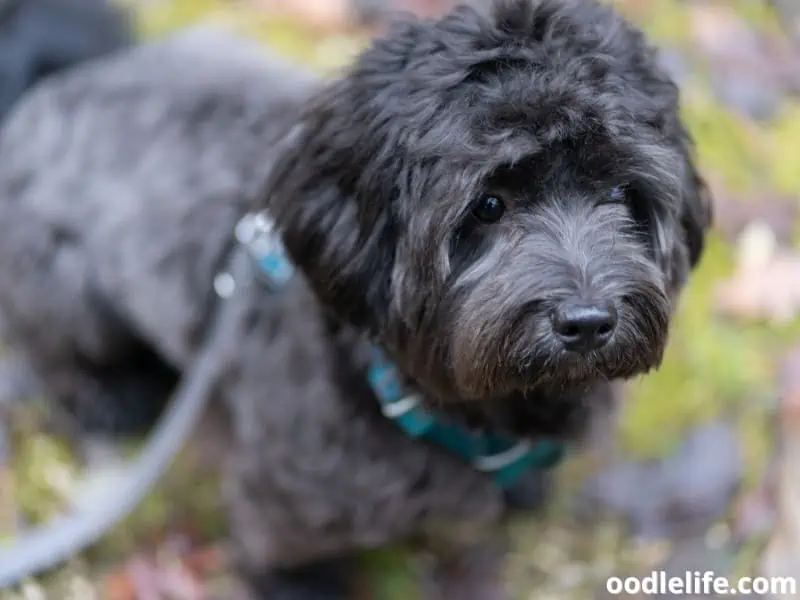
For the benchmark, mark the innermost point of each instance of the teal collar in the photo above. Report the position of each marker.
(503, 457)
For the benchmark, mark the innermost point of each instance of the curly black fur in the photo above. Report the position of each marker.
(110, 236)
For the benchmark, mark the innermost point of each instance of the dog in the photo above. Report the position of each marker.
(496, 209)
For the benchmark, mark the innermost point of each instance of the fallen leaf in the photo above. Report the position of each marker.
(175, 569)
(176, 582)
(118, 586)
(144, 579)
(206, 561)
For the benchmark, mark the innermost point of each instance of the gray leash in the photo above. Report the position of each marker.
(62, 537)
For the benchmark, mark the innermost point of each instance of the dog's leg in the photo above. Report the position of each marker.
(323, 580)
(123, 398)
(82, 350)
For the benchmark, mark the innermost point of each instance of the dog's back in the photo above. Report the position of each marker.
(121, 181)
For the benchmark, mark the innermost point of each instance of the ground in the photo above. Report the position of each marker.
(696, 441)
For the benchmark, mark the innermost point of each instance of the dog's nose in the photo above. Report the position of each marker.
(584, 326)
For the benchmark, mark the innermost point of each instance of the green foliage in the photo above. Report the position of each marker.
(784, 151)
(728, 147)
(390, 575)
(759, 14)
(44, 474)
(159, 18)
(44, 470)
(663, 20)
(198, 507)
(287, 36)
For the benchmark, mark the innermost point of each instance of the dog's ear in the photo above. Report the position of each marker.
(696, 204)
(696, 212)
(692, 217)
(334, 189)
(680, 231)
(330, 192)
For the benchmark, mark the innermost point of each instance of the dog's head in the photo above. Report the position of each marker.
(505, 198)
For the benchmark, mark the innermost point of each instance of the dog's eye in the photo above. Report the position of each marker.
(617, 193)
(489, 209)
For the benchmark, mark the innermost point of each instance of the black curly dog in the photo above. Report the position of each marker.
(503, 199)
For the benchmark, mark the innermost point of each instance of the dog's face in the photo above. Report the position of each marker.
(507, 200)
(553, 269)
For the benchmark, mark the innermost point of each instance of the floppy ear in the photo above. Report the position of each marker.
(696, 212)
(680, 235)
(330, 192)
(334, 188)
(691, 219)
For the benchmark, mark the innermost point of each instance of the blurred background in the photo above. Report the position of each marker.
(703, 469)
